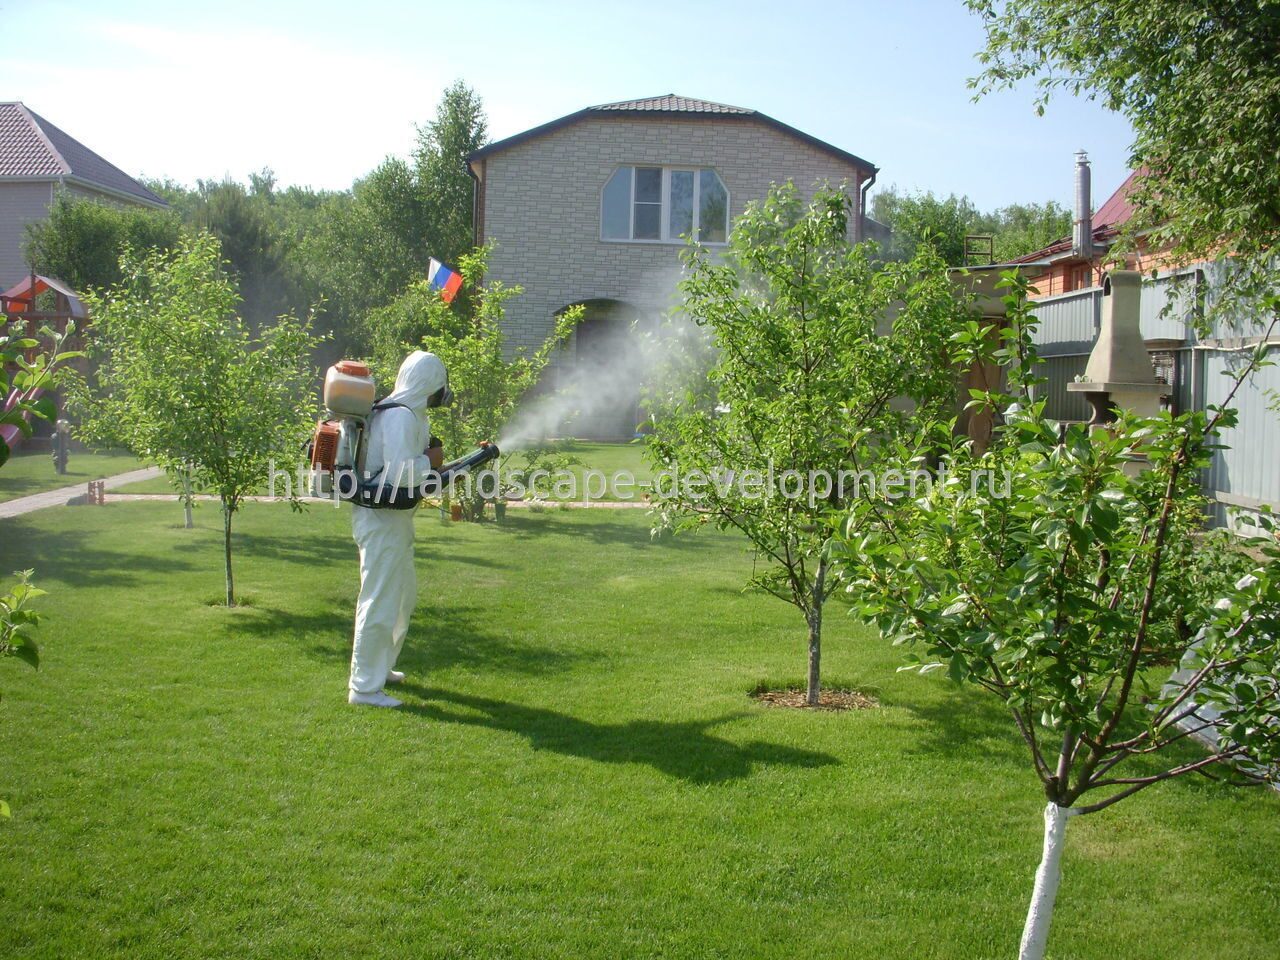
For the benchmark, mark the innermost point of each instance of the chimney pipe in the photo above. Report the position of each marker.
(1082, 224)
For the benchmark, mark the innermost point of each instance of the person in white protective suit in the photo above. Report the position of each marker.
(397, 441)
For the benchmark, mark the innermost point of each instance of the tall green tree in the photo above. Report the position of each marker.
(1022, 228)
(923, 218)
(82, 240)
(183, 383)
(1199, 82)
(459, 129)
(261, 229)
(809, 388)
(944, 222)
(367, 251)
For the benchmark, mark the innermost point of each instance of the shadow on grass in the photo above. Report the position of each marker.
(969, 726)
(66, 556)
(963, 723)
(521, 525)
(305, 549)
(439, 639)
(686, 751)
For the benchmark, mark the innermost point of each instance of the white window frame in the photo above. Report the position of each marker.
(664, 218)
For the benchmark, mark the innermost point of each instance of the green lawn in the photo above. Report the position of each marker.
(619, 463)
(28, 473)
(578, 771)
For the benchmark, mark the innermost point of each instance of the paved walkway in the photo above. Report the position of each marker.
(63, 495)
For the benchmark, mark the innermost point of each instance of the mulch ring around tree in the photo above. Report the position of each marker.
(829, 698)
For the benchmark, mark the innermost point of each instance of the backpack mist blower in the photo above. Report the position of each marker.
(338, 446)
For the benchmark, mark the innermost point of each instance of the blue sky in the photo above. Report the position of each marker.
(321, 92)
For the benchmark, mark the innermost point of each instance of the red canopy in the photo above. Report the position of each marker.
(20, 296)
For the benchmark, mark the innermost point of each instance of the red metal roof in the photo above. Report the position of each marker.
(1117, 210)
(1107, 221)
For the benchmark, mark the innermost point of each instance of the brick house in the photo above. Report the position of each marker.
(36, 160)
(591, 209)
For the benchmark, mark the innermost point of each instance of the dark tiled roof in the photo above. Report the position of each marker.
(33, 148)
(671, 103)
(674, 105)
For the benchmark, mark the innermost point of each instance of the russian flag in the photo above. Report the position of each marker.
(445, 280)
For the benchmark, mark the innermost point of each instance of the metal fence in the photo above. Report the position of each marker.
(1244, 475)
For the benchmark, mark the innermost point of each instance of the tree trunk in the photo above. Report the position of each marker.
(226, 552)
(186, 498)
(1036, 932)
(814, 618)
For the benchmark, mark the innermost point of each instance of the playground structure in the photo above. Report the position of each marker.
(28, 303)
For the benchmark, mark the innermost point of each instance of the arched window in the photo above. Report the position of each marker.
(664, 205)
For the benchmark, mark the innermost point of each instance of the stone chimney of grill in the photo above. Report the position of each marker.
(1082, 222)
(1119, 375)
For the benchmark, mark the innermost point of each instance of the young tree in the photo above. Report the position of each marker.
(1058, 577)
(487, 380)
(182, 383)
(821, 359)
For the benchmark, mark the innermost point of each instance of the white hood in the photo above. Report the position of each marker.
(421, 375)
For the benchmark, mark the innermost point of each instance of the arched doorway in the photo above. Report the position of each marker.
(607, 370)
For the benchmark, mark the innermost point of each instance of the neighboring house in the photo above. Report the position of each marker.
(1076, 262)
(592, 208)
(36, 160)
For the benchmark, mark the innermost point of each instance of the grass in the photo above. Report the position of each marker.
(28, 473)
(578, 771)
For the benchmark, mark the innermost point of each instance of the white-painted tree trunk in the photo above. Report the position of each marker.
(1036, 933)
(186, 499)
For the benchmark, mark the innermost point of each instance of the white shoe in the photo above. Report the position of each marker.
(378, 699)
(395, 676)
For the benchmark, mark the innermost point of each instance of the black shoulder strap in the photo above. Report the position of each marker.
(387, 406)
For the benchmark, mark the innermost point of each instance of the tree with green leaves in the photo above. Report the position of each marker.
(459, 129)
(1200, 84)
(367, 251)
(488, 381)
(944, 222)
(923, 218)
(1059, 575)
(182, 383)
(81, 241)
(820, 358)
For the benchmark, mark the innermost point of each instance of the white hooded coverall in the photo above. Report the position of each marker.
(396, 442)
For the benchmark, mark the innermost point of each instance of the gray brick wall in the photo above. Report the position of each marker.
(542, 206)
(20, 204)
